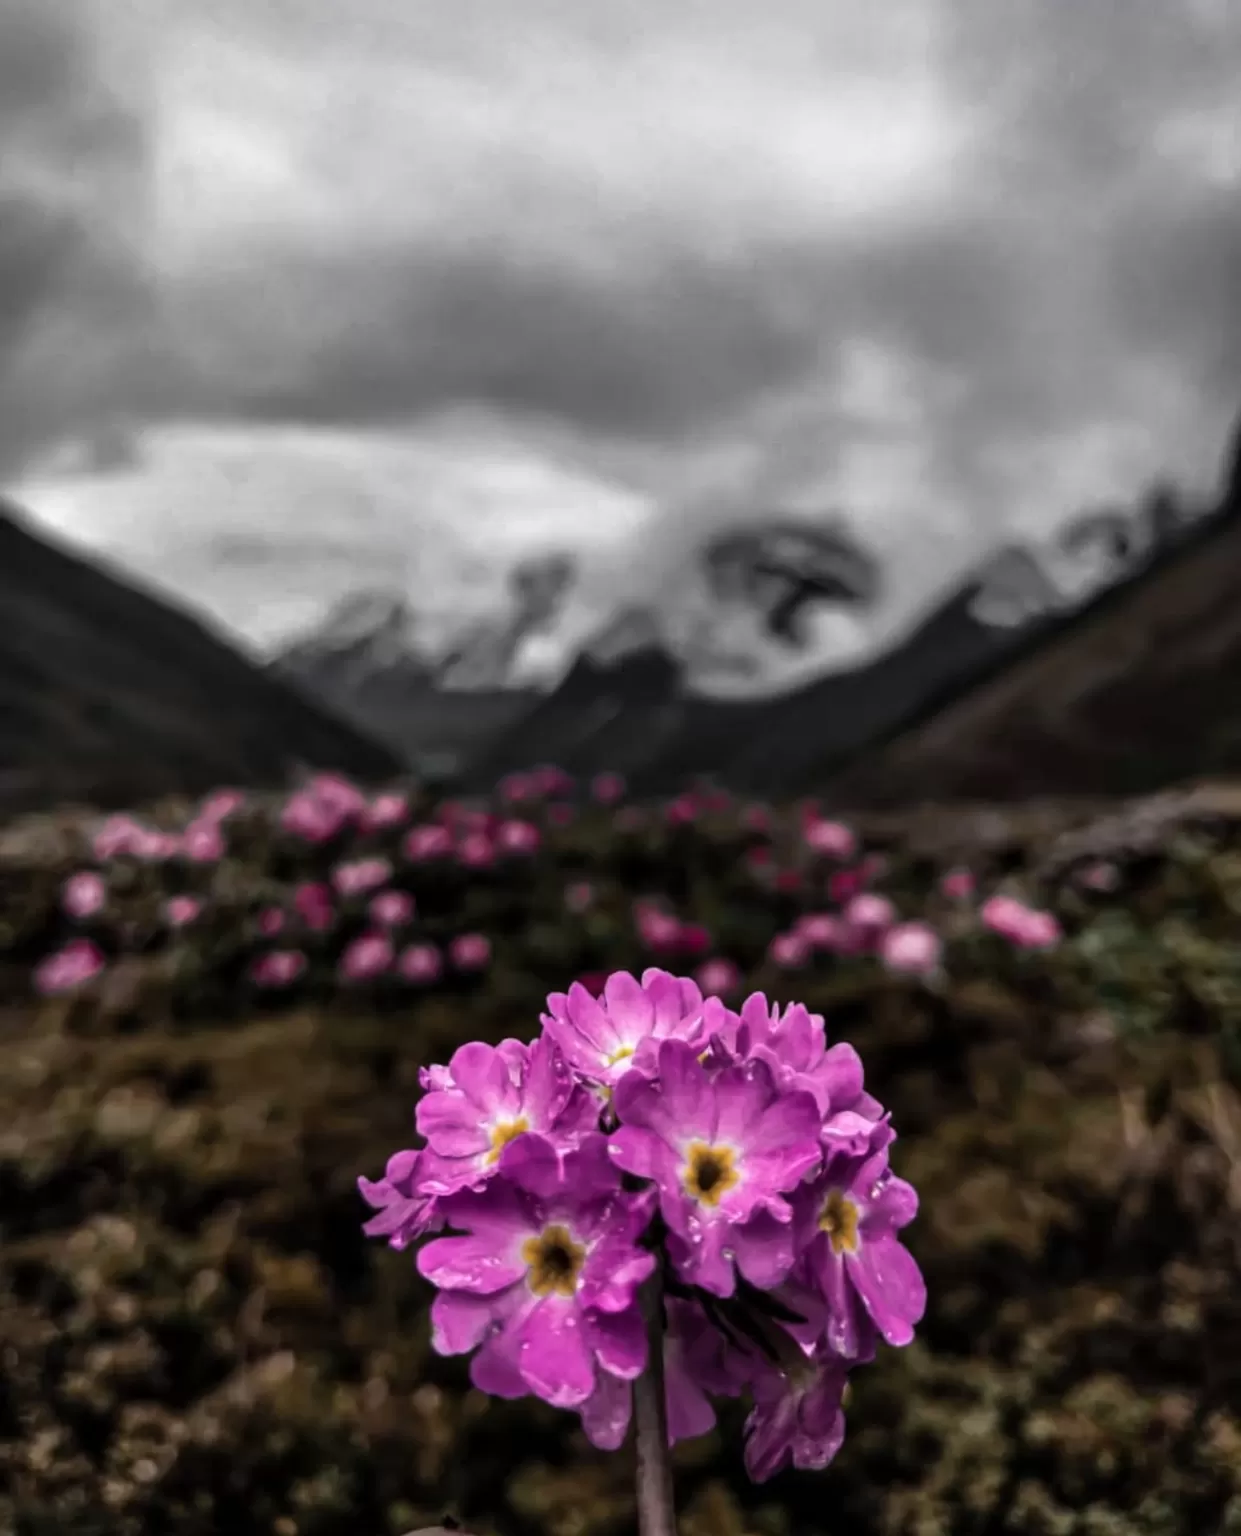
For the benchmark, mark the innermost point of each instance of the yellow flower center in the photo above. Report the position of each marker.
(839, 1219)
(504, 1132)
(553, 1261)
(621, 1053)
(709, 1172)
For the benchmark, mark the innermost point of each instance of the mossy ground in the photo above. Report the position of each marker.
(195, 1336)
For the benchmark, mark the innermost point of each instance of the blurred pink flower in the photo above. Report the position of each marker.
(832, 839)
(78, 963)
(202, 842)
(607, 788)
(681, 811)
(310, 819)
(419, 962)
(270, 922)
(1040, 930)
(427, 841)
(1027, 927)
(958, 884)
(821, 930)
(391, 909)
(911, 949)
(517, 787)
(387, 810)
(756, 818)
(561, 815)
(845, 883)
(279, 968)
(338, 794)
(550, 780)
(658, 929)
(116, 837)
(220, 804)
(470, 951)
(366, 957)
(180, 910)
(869, 912)
(476, 851)
(789, 951)
(314, 905)
(718, 977)
(357, 876)
(579, 895)
(83, 894)
(519, 837)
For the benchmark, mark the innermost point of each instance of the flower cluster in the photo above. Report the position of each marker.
(654, 1129)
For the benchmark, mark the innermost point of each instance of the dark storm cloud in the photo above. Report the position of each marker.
(71, 289)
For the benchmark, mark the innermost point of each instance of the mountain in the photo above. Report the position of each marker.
(636, 714)
(110, 696)
(368, 663)
(1138, 692)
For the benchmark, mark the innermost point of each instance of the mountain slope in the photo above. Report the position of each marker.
(365, 661)
(1141, 690)
(637, 715)
(109, 695)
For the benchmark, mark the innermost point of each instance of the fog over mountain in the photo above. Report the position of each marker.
(298, 300)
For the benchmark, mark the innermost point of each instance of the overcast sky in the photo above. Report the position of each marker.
(396, 289)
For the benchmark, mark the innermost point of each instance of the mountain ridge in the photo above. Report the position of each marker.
(110, 694)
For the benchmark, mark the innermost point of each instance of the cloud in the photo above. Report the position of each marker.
(73, 295)
(950, 266)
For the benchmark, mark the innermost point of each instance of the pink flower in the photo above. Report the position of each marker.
(607, 788)
(476, 851)
(832, 839)
(270, 922)
(723, 1147)
(116, 837)
(846, 883)
(601, 1038)
(1040, 930)
(221, 804)
(83, 894)
(560, 815)
(388, 810)
(958, 884)
(517, 787)
(756, 818)
(911, 949)
(366, 957)
(659, 930)
(278, 968)
(202, 842)
(549, 780)
(820, 930)
(470, 951)
(789, 951)
(718, 977)
(428, 841)
(358, 876)
(181, 910)
(681, 811)
(391, 909)
(870, 913)
(798, 1417)
(544, 1280)
(517, 837)
(309, 818)
(419, 963)
(313, 904)
(78, 963)
(490, 1095)
(338, 794)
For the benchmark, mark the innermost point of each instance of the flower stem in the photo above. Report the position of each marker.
(656, 1508)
